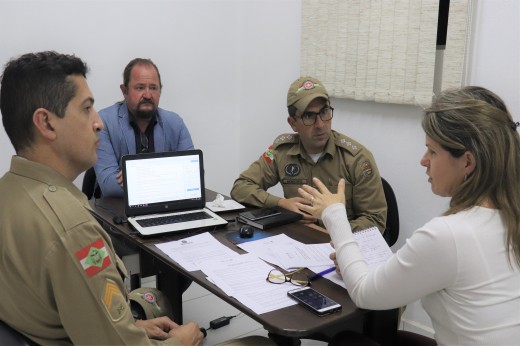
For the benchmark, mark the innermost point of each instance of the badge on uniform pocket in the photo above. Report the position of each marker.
(292, 169)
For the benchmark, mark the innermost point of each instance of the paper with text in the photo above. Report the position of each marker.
(373, 247)
(303, 255)
(262, 248)
(289, 253)
(188, 252)
(244, 278)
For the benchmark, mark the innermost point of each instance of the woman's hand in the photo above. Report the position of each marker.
(334, 259)
(321, 198)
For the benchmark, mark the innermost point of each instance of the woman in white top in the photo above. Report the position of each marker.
(464, 265)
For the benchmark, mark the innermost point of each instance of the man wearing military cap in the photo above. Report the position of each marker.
(314, 150)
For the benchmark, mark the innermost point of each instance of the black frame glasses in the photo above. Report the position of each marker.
(144, 142)
(309, 118)
(295, 277)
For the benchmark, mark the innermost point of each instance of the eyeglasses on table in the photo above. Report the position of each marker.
(296, 277)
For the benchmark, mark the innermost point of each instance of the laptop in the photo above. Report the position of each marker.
(164, 192)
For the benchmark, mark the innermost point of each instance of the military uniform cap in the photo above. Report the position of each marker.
(148, 303)
(303, 90)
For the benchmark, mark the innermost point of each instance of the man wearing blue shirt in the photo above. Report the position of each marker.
(136, 125)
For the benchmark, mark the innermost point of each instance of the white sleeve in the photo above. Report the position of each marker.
(425, 264)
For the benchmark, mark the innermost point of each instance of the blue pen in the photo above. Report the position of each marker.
(320, 274)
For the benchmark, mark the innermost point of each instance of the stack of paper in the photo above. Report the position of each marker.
(244, 276)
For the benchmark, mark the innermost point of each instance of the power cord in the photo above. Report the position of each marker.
(217, 323)
(220, 322)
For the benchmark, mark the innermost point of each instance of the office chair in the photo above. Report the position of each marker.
(392, 218)
(9, 336)
(90, 187)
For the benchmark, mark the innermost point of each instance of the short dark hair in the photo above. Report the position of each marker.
(292, 110)
(32, 81)
(138, 61)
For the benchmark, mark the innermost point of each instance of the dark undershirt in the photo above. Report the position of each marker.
(146, 144)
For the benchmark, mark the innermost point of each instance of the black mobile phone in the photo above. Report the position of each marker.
(260, 213)
(315, 301)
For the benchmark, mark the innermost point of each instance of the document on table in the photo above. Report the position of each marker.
(336, 278)
(244, 278)
(188, 252)
(262, 247)
(303, 255)
(289, 253)
(372, 246)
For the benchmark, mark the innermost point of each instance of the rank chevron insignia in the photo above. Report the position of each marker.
(111, 292)
(94, 258)
(114, 301)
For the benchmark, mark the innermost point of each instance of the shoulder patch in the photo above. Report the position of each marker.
(366, 168)
(285, 138)
(268, 155)
(94, 258)
(114, 301)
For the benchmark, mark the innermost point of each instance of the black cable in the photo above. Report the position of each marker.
(220, 322)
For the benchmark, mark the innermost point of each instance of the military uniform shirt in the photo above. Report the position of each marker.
(287, 162)
(61, 281)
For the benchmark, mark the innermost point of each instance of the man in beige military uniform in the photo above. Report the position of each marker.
(315, 150)
(61, 281)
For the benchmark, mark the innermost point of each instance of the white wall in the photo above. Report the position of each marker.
(226, 67)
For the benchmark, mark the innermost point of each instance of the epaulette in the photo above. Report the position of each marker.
(348, 144)
(286, 138)
(64, 205)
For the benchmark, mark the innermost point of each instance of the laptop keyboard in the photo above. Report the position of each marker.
(168, 220)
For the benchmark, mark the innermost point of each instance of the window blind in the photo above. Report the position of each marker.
(380, 50)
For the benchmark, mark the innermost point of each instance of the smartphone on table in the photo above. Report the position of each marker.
(315, 301)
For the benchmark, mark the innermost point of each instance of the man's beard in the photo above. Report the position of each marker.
(147, 115)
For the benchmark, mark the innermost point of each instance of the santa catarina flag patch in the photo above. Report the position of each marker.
(268, 155)
(94, 258)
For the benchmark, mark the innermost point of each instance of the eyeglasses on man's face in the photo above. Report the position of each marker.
(296, 277)
(309, 118)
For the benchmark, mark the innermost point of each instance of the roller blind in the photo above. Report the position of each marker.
(379, 50)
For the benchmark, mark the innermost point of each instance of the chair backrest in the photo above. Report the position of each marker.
(9, 336)
(90, 186)
(392, 218)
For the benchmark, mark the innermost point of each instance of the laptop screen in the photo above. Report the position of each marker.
(163, 182)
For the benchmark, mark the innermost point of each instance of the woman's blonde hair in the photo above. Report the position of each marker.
(474, 119)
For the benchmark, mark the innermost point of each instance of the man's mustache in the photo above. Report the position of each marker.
(144, 102)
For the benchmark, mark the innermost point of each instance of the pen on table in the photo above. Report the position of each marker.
(320, 274)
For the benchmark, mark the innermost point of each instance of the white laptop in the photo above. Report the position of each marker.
(164, 192)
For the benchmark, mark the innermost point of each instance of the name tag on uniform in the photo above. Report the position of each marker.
(294, 181)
